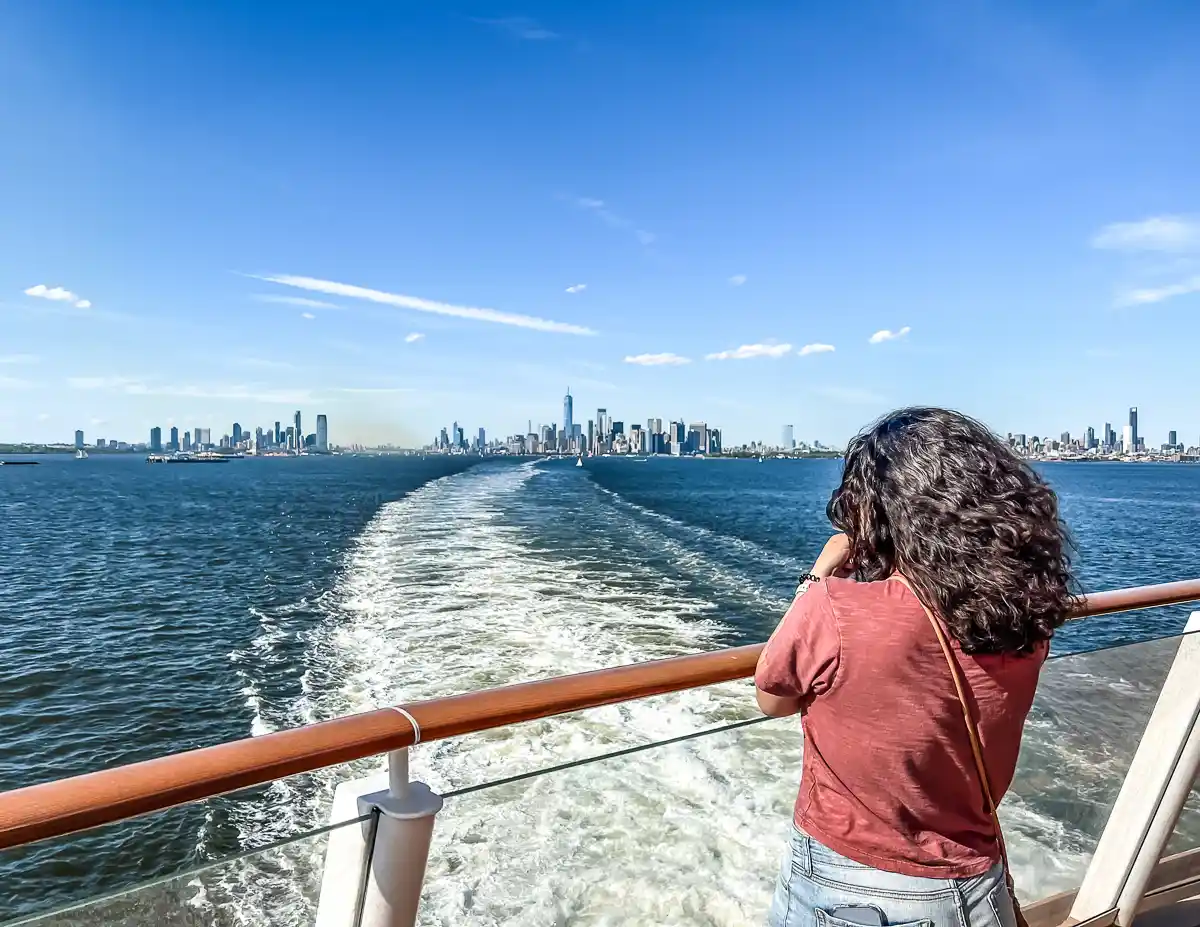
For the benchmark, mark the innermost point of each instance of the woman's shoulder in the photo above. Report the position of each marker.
(884, 591)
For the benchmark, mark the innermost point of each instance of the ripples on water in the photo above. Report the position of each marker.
(149, 610)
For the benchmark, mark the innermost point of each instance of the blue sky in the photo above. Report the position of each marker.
(412, 213)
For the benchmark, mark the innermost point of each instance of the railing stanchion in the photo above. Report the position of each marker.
(401, 850)
(1157, 784)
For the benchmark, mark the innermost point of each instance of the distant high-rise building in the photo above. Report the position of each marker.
(1110, 436)
(591, 437)
(259, 439)
(1090, 440)
(78, 440)
(1128, 445)
(482, 440)
(602, 425)
(100, 443)
(236, 434)
(789, 437)
(322, 434)
(278, 434)
(299, 431)
(174, 445)
(1133, 424)
(697, 439)
(187, 440)
(617, 428)
(205, 438)
(1019, 440)
(714, 441)
(1172, 438)
(155, 440)
(1065, 438)
(291, 438)
(568, 415)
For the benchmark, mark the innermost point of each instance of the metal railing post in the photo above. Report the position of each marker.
(1147, 808)
(401, 850)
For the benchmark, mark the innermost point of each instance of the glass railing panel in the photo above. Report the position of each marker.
(693, 832)
(277, 885)
(1087, 721)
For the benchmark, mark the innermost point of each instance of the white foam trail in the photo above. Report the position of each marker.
(446, 591)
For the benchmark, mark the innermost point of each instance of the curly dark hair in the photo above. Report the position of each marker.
(934, 495)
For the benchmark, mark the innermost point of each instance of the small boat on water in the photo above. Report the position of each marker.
(19, 463)
(81, 454)
(579, 461)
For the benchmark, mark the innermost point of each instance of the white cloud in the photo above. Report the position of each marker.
(748, 351)
(102, 382)
(59, 295)
(401, 301)
(367, 390)
(816, 349)
(307, 315)
(851, 395)
(252, 392)
(887, 335)
(520, 27)
(1158, 233)
(296, 301)
(19, 359)
(600, 209)
(577, 288)
(1149, 295)
(412, 337)
(657, 360)
(737, 279)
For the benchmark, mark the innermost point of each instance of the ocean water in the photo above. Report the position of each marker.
(152, 609)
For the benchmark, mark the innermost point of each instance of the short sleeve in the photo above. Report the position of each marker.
(801, 658)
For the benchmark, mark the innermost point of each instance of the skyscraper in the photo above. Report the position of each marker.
(591, 437)
(299, 432)
(601, 424)
(568, 414)
(789, 437)
(278, 434)
(1128, 446)
(322, 434)
(237, 433)
(1133, 424)
(482, 440)
(155, 440)
(174, 446)
(1110, 436)
(1172, 438)
(78, 440)
(187, 440)
(1090, 441)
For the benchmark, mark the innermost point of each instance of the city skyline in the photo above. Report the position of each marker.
(271, 438)
(812, 233)
(1129, 432)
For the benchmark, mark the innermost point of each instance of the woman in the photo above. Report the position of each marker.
(891, 823)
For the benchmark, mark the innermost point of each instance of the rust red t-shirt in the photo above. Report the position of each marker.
(888, 779)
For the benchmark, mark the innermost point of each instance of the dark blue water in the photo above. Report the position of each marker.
(147, 610)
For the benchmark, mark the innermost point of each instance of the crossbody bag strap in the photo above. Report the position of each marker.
(960, 689)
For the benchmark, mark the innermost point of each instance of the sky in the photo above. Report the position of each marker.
(747, 213)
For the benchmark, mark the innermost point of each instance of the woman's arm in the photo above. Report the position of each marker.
(832, 559)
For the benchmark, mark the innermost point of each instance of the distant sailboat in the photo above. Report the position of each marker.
(579, 461)
(81, 454)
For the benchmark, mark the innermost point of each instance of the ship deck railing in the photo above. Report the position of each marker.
(378, 843)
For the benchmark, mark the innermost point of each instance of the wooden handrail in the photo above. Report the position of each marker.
(53, 809)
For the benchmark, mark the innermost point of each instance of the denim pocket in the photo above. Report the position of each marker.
(825, 919)
(1002, 906)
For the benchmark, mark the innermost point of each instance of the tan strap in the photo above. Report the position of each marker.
(972, 731)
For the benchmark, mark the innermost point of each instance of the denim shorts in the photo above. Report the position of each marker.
(815, 882)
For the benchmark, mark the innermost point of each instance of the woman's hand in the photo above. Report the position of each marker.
(834, 556)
